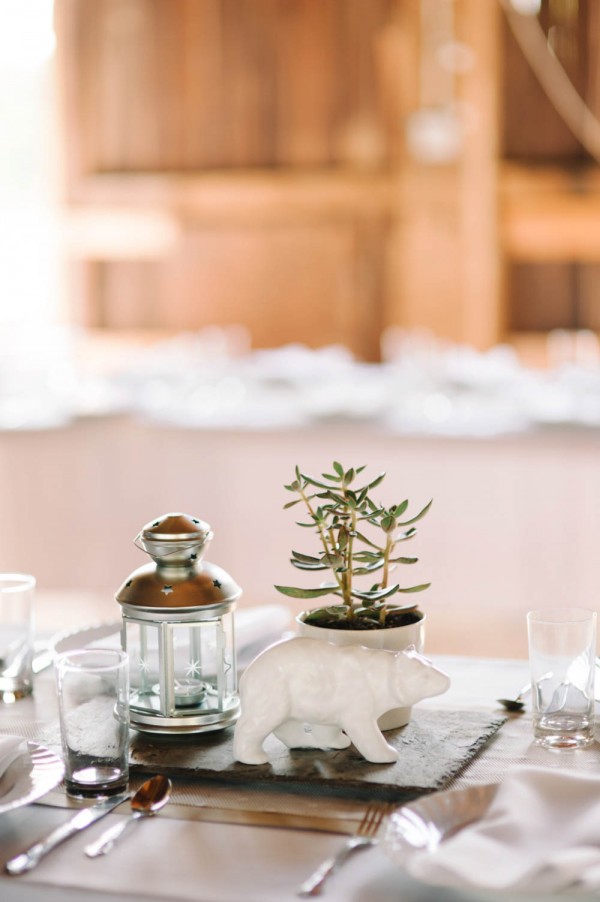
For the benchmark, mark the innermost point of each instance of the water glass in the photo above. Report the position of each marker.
(16, 635)
(93, 699)
(562, 651)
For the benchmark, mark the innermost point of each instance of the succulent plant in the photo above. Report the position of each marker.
(342, 514)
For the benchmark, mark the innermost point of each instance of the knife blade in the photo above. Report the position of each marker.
(27, 860)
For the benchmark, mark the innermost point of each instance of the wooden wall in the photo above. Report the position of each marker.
(247, 161)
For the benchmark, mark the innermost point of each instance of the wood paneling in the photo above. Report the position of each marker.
(202, 84)
(269, 138)
(260, 130)
(308, 282)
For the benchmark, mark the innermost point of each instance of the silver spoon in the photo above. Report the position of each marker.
(150, 798)
(517, 703)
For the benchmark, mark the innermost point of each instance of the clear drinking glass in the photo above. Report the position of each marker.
(16, 635)
(93, 697)
(562, 651)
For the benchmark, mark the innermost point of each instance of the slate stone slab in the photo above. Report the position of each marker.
(434, 747)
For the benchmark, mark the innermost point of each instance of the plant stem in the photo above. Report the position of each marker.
(348, 594)
(389, 546)
(322, 535)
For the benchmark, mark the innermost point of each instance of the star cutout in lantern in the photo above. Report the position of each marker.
(193, 669)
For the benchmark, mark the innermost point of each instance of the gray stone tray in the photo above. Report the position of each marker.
(434, 747)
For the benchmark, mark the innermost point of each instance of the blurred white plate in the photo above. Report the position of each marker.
(255, 628)
(33, 773)
(81, 638)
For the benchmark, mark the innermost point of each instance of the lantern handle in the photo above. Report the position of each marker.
(182, 546)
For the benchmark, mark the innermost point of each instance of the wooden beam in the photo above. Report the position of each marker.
(550, 215)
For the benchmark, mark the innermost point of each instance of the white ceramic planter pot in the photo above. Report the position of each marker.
(396, 638)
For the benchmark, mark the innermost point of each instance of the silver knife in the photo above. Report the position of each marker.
(24, 862)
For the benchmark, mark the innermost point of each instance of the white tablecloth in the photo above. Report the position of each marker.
(178, 859)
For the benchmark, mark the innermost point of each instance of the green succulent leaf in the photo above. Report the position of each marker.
(317, 615)
(292, 592)
(367, 541)
(331, 477)
(375, 595)
(404, 560)
(312, 481)
(334, 496)
(301, 565)
(418, 516)
(367, 557)
(338, 468)
(399, 509)
(420, 588)
(291, 503)
(377, 481)
(307, 558)
(370, 568)
(338, 612)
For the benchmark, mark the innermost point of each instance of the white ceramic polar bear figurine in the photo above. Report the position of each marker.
(307, 691)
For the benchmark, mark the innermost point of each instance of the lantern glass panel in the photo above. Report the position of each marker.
(203, 664)
(142, 641)
(181, 670)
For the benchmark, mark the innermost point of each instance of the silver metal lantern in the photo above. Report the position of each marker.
(178, 630)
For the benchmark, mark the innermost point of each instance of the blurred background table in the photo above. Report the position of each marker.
(513, 524)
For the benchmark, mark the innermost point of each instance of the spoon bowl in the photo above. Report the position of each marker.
(149, 798)
(152, 795)
(516, 705)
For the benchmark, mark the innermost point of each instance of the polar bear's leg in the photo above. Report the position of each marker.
(369, 741)
(292, 733)
(248, 741)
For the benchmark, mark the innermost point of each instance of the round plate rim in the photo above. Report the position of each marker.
(52, 766)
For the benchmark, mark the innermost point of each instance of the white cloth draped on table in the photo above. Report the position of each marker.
(540, 832)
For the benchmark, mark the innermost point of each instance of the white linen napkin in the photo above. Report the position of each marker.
(541, 832)
(10, 749)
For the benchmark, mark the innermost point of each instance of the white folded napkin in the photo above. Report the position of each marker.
(257, 627)
(10, 749)
(541, 832)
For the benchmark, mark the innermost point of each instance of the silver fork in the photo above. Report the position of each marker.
(366, 836)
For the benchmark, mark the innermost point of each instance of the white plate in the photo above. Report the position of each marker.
(30, 776)
(255, 628)
(81, 638)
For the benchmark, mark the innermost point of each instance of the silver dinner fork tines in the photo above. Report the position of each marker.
(366, 836)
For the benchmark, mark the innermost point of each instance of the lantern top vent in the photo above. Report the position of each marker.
(174, 531)
(178, 578)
